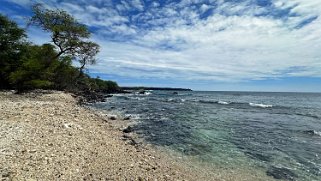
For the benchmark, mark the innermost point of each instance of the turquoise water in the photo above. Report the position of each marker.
(279, 133)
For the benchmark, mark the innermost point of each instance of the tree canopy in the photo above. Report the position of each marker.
(12, 40)
(25, 66)
(69, 36)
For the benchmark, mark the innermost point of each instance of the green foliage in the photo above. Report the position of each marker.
(86, 54)
(24, 66)
(69, 36)
(36, 69)
(11, 36)
(65, 74)
(11, 44)
(106, 86)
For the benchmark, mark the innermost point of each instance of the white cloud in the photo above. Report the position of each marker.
(138, 4)
(225, 48)
(236, 43)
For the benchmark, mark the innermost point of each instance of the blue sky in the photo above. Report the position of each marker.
(248, 45)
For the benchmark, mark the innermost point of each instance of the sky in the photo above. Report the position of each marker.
(227, 45)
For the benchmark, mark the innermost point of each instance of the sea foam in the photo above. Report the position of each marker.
(222, 102)
(260, 105)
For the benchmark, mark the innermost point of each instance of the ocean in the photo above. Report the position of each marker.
(276, 133)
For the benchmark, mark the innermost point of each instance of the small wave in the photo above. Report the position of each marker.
(223, 102)
(308, 115)
(313, 132)
(122, 95)
(175, 100)
(137, 98)
(148, 93)
(214, 102)
(235, 103)
(260, 105)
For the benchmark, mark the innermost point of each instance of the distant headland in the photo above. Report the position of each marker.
(156, 88)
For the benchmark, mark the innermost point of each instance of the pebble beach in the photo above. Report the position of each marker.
(48, 136)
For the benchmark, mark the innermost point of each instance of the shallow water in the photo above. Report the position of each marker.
(278, 133)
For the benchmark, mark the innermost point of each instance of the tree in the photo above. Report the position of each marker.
(69, 36)
(25, 66)
(12, 42)
(88, 50)
(65, 74)
(35, 71)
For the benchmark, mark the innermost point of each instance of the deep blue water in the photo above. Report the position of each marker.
(279, 133)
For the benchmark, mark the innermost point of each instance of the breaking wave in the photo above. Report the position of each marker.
(260, 105)
(236, 103)
(222, 102)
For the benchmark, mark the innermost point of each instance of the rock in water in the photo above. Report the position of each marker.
(142, 91)
(126, 118)
(281, 173)
(312, 132)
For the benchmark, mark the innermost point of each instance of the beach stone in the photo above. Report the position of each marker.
(34, 144)
(281, 173)
(128, 129)
(112, 117)
(4, 173)
(130, 140)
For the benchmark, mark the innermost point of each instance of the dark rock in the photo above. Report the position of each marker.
(128, 129)
(112, 117)
(127, 118)
(125, 136)
(312, 133)
(175, 93)
(130, 139)
(133, 142)
(88, 96)
(141, 91)
(281, 173)
(4, 173)
(108, 95)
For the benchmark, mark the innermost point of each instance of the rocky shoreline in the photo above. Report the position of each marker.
(48, 136)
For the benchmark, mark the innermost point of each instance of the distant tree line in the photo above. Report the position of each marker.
(25, 66)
